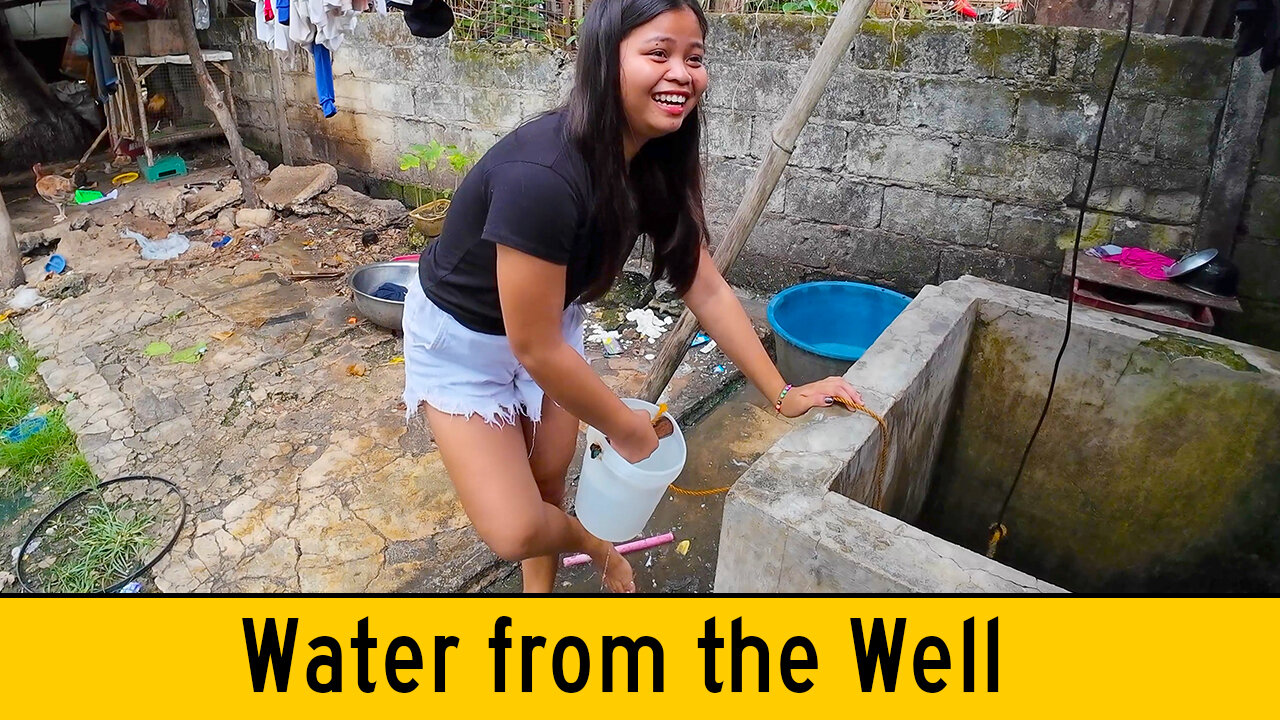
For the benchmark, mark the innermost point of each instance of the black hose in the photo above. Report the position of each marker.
(22, 553)
(997, 528)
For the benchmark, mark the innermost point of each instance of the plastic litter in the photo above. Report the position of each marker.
(157, 348)
(190, 355)
(133, 588)
(25, 298)
(164, 249)
(708, 347)
(25, 428)
(56, 264)
(224, 241)
(13, 363)
(683, 547)
(700, 339)
(718, 369)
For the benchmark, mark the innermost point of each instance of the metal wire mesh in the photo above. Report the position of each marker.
(541, 21)
(555, 22)
(173, 101)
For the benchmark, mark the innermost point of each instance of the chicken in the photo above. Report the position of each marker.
(55, 189)
(163, 106)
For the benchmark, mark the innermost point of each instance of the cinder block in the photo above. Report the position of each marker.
(844, 202)
(878, 154)
(913, 46)
(1008, 171)
(979, 108)
(946, 218)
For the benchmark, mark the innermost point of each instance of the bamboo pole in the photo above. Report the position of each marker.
(785, 133)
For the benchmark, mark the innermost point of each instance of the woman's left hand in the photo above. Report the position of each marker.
(802, 399)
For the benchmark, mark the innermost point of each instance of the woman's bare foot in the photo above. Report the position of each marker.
(614, 569)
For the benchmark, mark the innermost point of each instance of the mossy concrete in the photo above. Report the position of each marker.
(1156, 470)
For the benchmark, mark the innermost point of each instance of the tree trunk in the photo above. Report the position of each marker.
(34, 125)
(11, 275)
(214, 101)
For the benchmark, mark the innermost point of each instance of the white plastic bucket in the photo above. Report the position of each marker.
(616, 498)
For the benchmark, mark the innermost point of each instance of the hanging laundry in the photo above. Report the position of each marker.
(426, 18)
(91, 16)
(324, 79)
(1259, 30)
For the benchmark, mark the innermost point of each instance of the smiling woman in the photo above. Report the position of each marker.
(544, 222)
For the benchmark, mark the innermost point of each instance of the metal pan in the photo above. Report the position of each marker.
(1190, 263)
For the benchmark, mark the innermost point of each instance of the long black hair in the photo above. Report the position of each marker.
(660, 194)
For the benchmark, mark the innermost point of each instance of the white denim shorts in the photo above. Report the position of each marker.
(463, 372)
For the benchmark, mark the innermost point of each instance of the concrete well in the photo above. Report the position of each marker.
(1158, 468)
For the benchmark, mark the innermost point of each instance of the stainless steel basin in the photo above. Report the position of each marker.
(365, 279)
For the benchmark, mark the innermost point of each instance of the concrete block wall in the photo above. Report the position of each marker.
(1257, 249)
(945, 149)
(937, 150)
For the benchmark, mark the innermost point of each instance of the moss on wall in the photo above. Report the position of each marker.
(1157, 469)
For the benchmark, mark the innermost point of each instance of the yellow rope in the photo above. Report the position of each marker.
(881, 462)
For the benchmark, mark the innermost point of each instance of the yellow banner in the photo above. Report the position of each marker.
(476, 657)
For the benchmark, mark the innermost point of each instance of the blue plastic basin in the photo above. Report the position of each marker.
(823, 327)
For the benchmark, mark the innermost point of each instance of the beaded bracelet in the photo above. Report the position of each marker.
(778, 405)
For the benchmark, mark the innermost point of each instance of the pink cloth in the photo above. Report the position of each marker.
(1148, 264)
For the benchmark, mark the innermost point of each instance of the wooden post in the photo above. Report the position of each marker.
(834, 46)
(11, 275)
(214, 101)
(282, 122)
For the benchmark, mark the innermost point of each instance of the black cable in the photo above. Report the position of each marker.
(997, 528)
(35, 531)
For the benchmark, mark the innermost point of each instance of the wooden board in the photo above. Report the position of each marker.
(1112, 274)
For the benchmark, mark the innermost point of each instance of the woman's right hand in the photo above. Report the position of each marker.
(638, 439)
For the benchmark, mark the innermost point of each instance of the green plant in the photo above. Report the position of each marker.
(430, 155)
(107, 543)
(505, 20)
(811, 7)
(49, 454)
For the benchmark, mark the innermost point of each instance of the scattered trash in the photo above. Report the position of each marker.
(633, 546)
(709, 347)
(650, 356)
(13, 363)
(225, 334)
(124, 178)
(222, 242)
(25, 298)
(157, 349)
(132, 588)
(56, 264)
(683, 547)
(5, 315)
(353, 320)
(397, 360)
(612, 346)
(648, 324)
(90, 197)
(718, 369)
(700, 339)
(357, 369)
(191, 355)
(165, 249)
(25, 428)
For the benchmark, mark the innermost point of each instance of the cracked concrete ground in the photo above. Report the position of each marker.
(300, 476)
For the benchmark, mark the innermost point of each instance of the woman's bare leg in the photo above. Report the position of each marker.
(553, 441)
(490, 469)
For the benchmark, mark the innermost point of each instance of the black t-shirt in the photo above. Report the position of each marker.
(531, 192)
